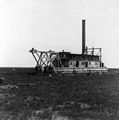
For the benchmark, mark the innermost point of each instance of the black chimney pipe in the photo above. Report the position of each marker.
(83, 36)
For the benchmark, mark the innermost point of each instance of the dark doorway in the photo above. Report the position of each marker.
(77, 63)
(86, 64)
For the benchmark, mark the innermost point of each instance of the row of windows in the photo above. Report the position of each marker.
(78, 63)
(86, 64)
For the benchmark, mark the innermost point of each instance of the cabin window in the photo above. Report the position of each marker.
(66, 64)
(83, 63)
(63, 55)
(72, 63)
(72, 57)
(77, 63)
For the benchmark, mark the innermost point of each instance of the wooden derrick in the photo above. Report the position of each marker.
(44, 59)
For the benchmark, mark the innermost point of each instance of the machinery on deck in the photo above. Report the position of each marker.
(89, 61)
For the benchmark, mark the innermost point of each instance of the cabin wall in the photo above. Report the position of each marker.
(83, 64)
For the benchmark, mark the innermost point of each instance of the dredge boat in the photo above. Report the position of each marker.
(89, 61)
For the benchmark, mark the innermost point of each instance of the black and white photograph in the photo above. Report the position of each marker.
(59, 60)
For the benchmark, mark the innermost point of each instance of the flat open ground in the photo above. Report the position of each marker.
(79, 97)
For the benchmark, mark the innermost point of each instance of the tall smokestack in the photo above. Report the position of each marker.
(83, 36)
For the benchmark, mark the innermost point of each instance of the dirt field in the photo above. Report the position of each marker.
(68, 97)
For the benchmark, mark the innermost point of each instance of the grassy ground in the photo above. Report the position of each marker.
(78, 97)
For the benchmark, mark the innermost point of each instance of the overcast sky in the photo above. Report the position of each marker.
(56, 25)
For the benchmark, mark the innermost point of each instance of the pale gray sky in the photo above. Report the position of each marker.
(56, 25)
